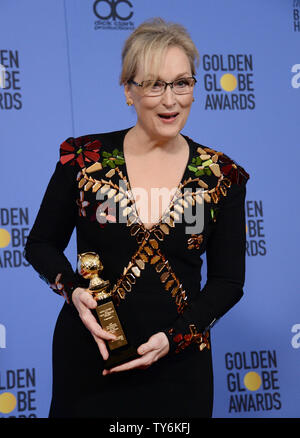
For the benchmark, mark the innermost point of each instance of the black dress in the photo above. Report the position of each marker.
(154, 274)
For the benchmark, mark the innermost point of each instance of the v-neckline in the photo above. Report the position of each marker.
(184, 176)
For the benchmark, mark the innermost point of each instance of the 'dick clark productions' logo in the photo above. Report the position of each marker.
(14, 229)
(228, 81)
(113, 15)
(10, 88)
(252, 382)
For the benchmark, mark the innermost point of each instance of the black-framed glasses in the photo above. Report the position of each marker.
(158, 87)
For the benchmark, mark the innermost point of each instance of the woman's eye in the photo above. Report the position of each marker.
(157, 84)
(181, 83)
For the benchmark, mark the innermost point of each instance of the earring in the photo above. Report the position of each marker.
(193, 100)
(129, 102)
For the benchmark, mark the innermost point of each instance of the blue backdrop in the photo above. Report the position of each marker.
(60, 65)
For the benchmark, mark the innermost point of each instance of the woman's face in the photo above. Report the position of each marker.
(152, 111)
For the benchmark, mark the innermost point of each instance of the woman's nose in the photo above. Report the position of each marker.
(168, 98)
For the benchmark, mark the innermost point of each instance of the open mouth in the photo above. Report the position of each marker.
(168, 116)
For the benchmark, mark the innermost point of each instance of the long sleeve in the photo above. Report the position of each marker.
(225, 253)
(52, 231)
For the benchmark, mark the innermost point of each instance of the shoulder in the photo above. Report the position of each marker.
(89, 148)
(222, 179)
(206, 160)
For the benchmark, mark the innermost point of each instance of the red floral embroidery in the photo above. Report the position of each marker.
(183, 341)
(80, 149)
(178, 338)
(234, 172)
(195, 241)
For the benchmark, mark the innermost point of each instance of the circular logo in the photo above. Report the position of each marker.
(4, 238)
(111, 7)
(8, 402)
(252, 381)
(228, 82)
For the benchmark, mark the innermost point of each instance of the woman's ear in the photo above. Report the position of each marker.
(128, 96)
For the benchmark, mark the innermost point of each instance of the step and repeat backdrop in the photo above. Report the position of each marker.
(59, 70)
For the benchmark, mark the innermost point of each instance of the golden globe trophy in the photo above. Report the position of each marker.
(120, 351)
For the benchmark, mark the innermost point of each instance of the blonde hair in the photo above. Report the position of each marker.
(154, 37)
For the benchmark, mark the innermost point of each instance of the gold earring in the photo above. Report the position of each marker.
(193, 100)
(129, 102)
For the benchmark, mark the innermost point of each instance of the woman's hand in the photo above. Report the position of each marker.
(83, 301)
(156, 347)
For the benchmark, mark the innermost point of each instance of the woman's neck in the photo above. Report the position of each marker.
(140, 142)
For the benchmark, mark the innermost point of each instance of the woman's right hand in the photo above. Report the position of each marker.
(83, 301)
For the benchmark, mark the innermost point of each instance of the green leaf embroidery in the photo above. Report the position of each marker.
(192, 168)
(112, 159)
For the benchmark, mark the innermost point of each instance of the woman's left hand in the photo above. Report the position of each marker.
(156, 347)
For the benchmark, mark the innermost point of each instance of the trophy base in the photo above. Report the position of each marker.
(120, 356)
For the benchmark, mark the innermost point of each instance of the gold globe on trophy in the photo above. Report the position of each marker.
(89, 266)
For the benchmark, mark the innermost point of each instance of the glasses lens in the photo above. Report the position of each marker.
(153, 88)
(180, 86)
(183, 85)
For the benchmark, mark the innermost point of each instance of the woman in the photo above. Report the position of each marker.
(150, 256)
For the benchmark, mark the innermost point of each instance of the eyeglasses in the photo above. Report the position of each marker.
(157, 88)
